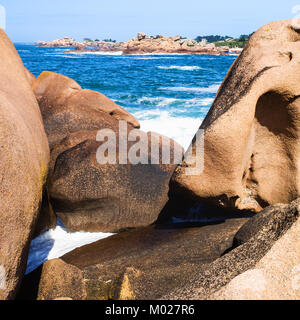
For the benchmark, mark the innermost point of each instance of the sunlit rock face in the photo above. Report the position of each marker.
(24, 154)
(251, 133)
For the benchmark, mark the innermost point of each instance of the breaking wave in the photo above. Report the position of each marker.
(182, 68)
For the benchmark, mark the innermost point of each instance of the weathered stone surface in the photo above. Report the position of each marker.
(250, 257)
(31, 78)
(148, 262)
(66, 108)
(141, 36)
(59, 279)
(265, 219)
(85, 194)
(24, 154)
(252, 130)
(47, 218)
(91, 99)
(90, 196)
(123, 286)
(144, 263)
(275, 277)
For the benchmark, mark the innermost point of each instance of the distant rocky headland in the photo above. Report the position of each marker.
(143, 44)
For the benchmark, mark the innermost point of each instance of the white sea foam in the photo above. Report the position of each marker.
(199, 102)
(181, 129)
(150, 58)
(182, 68)
(164, 101)
(55, 243)
(101, 53)
(62, 55)
(211, 89)
(158, 101)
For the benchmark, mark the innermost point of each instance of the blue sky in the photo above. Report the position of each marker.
(30, 20)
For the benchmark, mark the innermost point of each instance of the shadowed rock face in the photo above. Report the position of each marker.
(66, 108)
(24, 158)
(90, 196)
(56, 280)
(251, 133)
(144, 263)
(257, 256)
(231, 259)
(275, 277)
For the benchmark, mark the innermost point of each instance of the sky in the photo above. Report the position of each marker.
(31, 20)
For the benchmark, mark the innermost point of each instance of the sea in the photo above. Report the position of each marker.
(169, 94)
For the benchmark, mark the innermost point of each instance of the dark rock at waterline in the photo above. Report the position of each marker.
(47, 218)
(29, 287)
(90, 196)
(278, 215)
(145, 263)
(256, 238)
(276, 275)
(55, 281)
(183, 209)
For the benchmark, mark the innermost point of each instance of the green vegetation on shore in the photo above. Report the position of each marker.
(227, 41)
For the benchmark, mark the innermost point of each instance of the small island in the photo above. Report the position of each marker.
(144, 44)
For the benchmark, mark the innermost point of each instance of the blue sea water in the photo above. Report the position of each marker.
(168, 94)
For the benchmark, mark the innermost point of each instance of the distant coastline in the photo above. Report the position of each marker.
(143, 44)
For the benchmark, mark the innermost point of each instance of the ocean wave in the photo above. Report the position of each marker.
(101, 53)
(211, 89)
(158, 101)
(147, 114)
(164, 102)
(199, 102)
(182, 68)
(161, 54)
(181, 129)
(56, 243)
(61, 55)
(150, 58)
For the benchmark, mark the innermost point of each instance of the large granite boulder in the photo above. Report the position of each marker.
(143, 263)
(251, 133)
(108, 197)
(66, 108)
(175, 262)
(263, 262)
(24, 154)
(56, 279)
(275, 277)
(87, 194)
